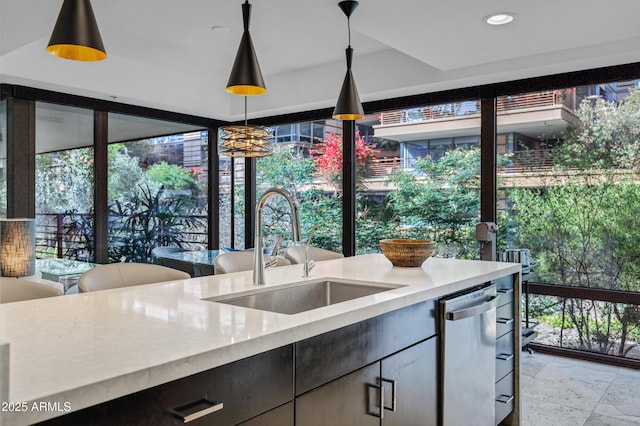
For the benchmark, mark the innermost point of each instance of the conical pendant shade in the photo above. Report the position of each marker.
(246, 77)
(76, 35)
(348, 106)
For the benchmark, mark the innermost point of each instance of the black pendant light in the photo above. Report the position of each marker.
(76, 35)
(246, 77)
(348, 106)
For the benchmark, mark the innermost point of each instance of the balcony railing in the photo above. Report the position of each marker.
(599, 346)
(383, 167)
(70, 236)
(505, 104)
(416, 115)
(519, 162)
(528, 161)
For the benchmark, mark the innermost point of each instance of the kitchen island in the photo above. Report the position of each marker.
(76, 351)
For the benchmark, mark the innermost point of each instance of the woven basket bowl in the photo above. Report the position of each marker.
(407, 253)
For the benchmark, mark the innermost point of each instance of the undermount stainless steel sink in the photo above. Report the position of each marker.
(303, 296)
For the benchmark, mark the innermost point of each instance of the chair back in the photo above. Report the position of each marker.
(15, 290)
(115, 275)
(237, 261)
(296, 254)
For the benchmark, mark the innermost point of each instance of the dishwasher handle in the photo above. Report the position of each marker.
(483, 307)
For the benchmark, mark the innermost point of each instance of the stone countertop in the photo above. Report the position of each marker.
(78, 350)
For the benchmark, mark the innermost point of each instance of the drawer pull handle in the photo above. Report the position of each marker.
(187, 414)
(505, 399)
(505, 357)
(505, 290)
(393, 393)
(478, 309)
(380, 390)
(505, 321)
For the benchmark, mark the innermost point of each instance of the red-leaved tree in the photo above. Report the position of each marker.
(328, 158)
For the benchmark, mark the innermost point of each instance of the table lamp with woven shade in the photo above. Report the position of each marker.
(17, 247)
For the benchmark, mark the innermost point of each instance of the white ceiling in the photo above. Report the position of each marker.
(164, 54)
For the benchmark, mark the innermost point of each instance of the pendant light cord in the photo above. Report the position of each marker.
(245, 110)
(349, 29)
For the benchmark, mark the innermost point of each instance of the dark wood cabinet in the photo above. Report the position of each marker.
(280, 416)
(346, 401)
(399, 390)
(413, 374)
(245, 388)
(328, 356)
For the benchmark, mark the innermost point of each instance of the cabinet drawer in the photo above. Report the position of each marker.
(246, 388)
(281, 416)
(328, 356)
(504, 319)
(504, 287)
(504, 355)
(348, 401)
(504, 398)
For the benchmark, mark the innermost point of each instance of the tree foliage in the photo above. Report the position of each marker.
(146, 220)
(290, 169)
(148, 207)
(64, 181)
(172, 176)
(439, 199)
(582, 226)
(328, 157)
(608, 136)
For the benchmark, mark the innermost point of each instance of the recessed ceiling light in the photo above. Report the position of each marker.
(219, 29)
(498, 18)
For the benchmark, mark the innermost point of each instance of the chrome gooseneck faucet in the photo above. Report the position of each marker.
(258, 257)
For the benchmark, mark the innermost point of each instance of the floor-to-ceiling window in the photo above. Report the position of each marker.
(158, 183)
(231, 202)
(226, 189)
(570, 192)
(307, 162)
(64, 182)
(418, 177)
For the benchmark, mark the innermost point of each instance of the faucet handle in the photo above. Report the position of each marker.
(276, 247)
(270, 261)
(307, 266)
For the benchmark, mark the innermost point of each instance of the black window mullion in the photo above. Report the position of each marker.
(348, 188)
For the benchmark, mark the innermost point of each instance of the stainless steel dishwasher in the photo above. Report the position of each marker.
(468, 357)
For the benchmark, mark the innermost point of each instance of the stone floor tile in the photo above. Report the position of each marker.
(586, 364)
(550, 414)
(600, 420)
(560, 371)
(630, 372)
(562, 391)
(568, 392)
(530, 365)
(612, 412)
(623, 394)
